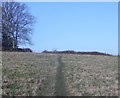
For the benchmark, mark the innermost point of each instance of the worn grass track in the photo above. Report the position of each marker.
(60, 85)
(39, 74)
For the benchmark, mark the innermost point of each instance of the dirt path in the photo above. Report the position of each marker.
(60, 85)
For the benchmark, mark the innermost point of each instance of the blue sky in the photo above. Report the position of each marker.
(80, 26)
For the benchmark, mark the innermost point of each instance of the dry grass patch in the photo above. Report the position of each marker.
(28, 74)
(89, 75)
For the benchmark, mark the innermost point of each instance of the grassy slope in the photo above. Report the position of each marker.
(91, 75)
(28, 74)
(38, 74)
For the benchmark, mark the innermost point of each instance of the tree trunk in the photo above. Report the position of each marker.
(13, 43)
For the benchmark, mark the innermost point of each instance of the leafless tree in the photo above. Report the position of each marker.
(17, 24)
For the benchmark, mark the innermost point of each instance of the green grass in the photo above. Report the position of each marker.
(37, 74)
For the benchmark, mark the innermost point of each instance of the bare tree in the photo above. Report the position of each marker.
(16, 24)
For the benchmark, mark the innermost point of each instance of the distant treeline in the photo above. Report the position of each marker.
(16, 49)
(54, 52)
(74, 52)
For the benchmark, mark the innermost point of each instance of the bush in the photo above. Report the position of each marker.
(17, 49)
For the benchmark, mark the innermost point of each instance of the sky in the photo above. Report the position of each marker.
(79, 26)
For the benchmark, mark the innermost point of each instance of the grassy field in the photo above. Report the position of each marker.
(91, 75)
(35, 74)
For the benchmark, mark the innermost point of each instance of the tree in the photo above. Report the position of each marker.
(17, 24)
